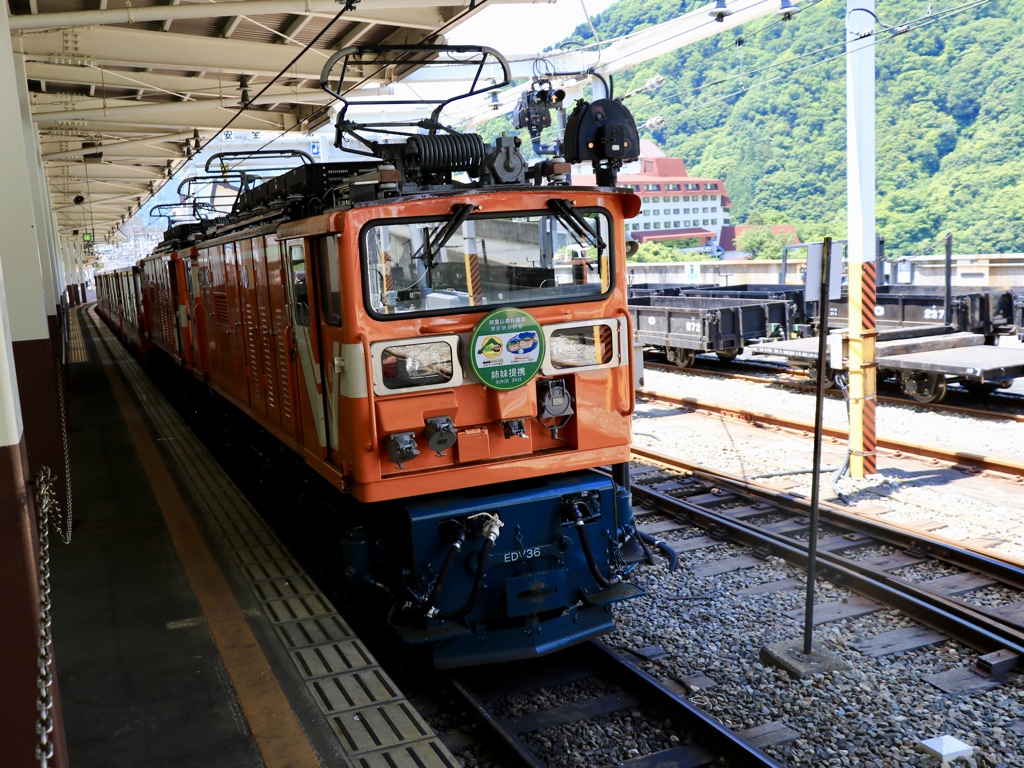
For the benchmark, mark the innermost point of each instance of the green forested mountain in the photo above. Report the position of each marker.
(950, 117)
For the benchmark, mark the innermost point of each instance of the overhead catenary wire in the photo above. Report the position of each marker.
(710, 22)
(600, 46)
(245, 104)
(897, 31)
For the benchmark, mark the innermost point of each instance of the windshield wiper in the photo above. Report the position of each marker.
(568, 215)
(434, 244)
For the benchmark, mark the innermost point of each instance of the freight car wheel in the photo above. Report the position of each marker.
(926, 389)
(979, 388)
(728, 356)
(682, 357)
(830, 376)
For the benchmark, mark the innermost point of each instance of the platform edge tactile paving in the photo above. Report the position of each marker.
(379, 726)
(281, 587)
(359, 688)
(390, 733)
(333, 658)
(306, 633)
(419, 754)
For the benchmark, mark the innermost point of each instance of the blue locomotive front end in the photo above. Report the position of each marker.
(523, 570)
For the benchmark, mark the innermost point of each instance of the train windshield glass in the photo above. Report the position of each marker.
(438, 265)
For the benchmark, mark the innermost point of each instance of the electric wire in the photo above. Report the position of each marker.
(898, 31)
(245, 103)
(912, 25)
(593, 31)
(740, 40)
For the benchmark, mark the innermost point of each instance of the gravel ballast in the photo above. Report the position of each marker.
(875, 711)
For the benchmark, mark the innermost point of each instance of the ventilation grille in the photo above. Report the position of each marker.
(220, 307)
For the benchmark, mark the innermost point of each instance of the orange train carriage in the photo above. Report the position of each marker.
(453, 355)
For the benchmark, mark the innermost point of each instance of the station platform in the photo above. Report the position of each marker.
(185, 634)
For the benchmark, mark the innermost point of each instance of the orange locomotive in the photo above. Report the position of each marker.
(440, 351)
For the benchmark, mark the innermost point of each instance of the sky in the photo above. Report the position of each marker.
(514, 28)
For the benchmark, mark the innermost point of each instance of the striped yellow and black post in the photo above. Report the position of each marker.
(869, 299)
(389, 275)
(474, 282)
(605, 346)
(862, 367)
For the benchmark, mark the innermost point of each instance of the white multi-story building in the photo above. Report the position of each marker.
(676, 206)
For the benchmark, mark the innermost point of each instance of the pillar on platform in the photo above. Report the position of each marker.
(30, 435)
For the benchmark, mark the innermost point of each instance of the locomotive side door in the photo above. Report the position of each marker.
(220, 362)
(251, 330)
(304, 372)
(202, 313)
(234, 370)
(272, 301)
(328, 279)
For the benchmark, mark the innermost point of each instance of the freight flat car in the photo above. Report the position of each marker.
(920, 361)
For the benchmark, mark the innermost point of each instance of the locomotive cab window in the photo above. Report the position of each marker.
(298, 289)
(437, 265)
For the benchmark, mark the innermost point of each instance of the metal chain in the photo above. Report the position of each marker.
(65, 534)
(45, 502)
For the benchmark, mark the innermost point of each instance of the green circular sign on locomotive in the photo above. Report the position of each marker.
(507, 348)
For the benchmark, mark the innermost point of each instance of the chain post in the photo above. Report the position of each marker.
(64, 534)
(46, 504)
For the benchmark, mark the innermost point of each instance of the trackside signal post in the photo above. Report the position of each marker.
(860, 190)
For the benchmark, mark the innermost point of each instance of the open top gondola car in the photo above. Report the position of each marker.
(442, 333)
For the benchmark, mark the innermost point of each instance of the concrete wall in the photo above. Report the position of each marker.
(717, 272)
(995, 270)
(1001, 269)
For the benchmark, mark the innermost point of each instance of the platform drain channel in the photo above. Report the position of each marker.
(374, 723)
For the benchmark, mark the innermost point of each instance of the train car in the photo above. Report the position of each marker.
(166, 290)
(119, 300)
(441, 332)
(683, 326)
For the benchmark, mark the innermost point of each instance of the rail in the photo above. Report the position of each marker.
(730, 506)
(1000, 464)
(705, 737)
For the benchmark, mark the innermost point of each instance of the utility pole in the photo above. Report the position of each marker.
(861, 241)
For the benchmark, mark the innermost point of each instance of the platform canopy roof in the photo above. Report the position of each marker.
(121, 92)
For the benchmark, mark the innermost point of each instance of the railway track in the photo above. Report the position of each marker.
(1000, 405)
(643, 722)
(975, 598)
(1003, 465)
